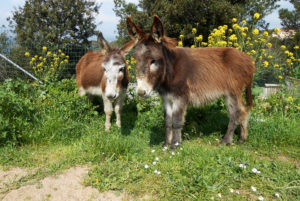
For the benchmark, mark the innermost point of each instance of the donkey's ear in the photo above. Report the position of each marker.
(157, 29)
(103, 44)
(134, 31)
(127, 47)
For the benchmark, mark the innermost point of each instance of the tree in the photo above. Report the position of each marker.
(291, 19)
(180, 16)
(52, 22)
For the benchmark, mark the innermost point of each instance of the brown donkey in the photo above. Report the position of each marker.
(105, 74)
(197, 76)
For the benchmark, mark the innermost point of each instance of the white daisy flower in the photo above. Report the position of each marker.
(231, 190)
(158, 172)
(155, 171)
(277, 195)
(146, 166)
(254, 170)
(180, 148)
(242, 166)
(219, 195)
(237, 192)
(154, 163)
(173, 153)
(253, 188)
(153, 151)
(156, 158)
(177, 144)
(261, 198)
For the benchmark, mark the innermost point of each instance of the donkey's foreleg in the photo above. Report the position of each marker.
(179, 109)
(108, 109)
(118, 108)
(168, 122)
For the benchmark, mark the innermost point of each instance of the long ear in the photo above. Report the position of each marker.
(103, 44)
(127, 47)
(157, 29)
(134, 31)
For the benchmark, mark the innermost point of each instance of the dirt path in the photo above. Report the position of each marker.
(65, 187)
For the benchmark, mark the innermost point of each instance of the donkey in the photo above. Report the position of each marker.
(105, 74)
(191, 76)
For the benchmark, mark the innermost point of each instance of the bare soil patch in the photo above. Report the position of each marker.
(65, 186)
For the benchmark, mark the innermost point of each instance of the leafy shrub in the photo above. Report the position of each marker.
(17, 113)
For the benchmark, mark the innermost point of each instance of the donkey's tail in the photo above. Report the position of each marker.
(249, 98)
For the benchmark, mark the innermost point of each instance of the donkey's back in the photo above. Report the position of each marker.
(89, 73)
(213, 72)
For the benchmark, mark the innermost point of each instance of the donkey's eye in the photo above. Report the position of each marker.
(121, 69)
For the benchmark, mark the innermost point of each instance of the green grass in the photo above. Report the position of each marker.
(67, 135)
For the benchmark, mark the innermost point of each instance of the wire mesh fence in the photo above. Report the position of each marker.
(16, 53)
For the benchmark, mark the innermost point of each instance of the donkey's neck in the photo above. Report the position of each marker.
(170, 57)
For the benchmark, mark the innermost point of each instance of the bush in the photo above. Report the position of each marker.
(17, 112)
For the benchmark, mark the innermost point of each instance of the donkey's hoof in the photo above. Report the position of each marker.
(225, 142)
(241, 140)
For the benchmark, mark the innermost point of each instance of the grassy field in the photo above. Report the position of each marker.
(64, 130)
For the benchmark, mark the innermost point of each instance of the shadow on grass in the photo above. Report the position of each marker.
(97, 101)
(204, 121)
(128, 118)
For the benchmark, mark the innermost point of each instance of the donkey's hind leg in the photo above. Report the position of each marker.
(244, 119)
(234, 113)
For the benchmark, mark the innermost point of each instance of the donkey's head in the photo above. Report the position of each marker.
(151, 54)
(114, 65)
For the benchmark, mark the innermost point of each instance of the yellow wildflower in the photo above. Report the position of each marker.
(180, 43)
(270, 57)
(181, 36)
(45, 48)
(269, 44)
(256, 16)
(266, 63)
(204, 43)
(266, 33)
(234, 20)
(27, 54)
(233, 37)
(235, 26)
(244, 21)
(255, 31)
(283, 47)
(280, 77)
(194, 30)
(276, 30)
(253, 52)
(199, 38)
(49, 53)
(193, 46)
(229, 30)
(296, 47)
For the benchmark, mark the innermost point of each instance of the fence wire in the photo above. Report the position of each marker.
(16, 53)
